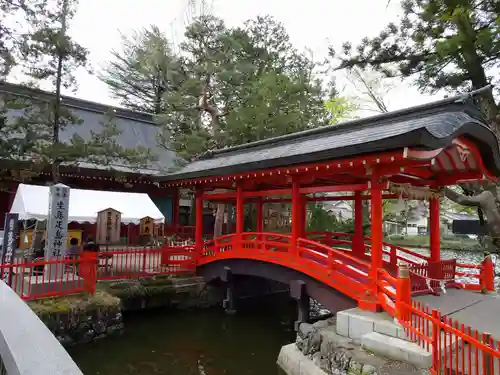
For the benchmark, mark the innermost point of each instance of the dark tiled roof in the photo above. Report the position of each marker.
(138, 129)
(429, 126)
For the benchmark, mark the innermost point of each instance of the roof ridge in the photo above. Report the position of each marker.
(78, 103)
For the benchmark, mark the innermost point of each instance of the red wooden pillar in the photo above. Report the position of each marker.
(376, 226)
(358, 240)
(434, 228)
(488, 275)
(260, 216)
(296, 217)
(198, 236)
(240, 210)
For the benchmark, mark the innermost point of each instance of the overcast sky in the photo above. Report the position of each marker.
(313, 23)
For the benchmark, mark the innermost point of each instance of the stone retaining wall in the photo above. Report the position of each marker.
(322, 351)
(86, 326)
(82, 319)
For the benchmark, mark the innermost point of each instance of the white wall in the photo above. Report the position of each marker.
(414, 224)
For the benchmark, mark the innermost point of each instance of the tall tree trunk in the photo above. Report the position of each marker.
(219, 219)
(204, 105)
(56, 159)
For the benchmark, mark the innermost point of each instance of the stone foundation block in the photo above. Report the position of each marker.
(397, 349)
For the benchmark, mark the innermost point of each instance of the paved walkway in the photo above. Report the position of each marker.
(476, 310)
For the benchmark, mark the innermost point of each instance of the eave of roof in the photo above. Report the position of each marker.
(429, 126)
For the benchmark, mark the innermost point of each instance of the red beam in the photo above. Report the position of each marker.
(349, 198)
(232, 197)
(219, 196)
(332, 189)
(267, 193)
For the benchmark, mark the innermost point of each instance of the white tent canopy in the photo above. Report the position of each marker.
(32, 202)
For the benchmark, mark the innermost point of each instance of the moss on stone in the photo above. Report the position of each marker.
(160, 280)
(108, 295)
(74, 304)
(139, 288)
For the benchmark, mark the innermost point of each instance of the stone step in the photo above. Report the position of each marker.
(391, 329)
(397, 349)
(354, 323)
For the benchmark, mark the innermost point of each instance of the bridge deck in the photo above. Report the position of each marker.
(476, 310)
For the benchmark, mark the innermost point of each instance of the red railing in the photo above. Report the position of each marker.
(386, 291)
(427, 276)
(455, 348)
(332, 239)
(131, 263)
(41, 278)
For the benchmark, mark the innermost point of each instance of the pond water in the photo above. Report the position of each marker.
(195, 343)
(204, 342)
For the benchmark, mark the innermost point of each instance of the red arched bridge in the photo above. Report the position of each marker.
(327, 263)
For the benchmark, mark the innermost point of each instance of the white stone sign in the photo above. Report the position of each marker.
(57, 226)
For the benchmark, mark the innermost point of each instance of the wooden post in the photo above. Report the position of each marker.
(394, 257)
(260, 221)
(88, 270)
(377, 230)
(175, 210)
(228, 303)
(436, 339)
(295, 217)
(298, 292)
(488, 274)
(487, 357)
(434, 227)
(198, 236)
(240, 210)
(403, 293)
(260, 215)
(358, 244)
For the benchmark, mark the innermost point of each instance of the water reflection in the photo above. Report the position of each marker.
(195, 343)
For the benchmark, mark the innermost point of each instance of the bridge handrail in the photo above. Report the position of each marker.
(367, 244)
(26, 344)
(337, 252)
(386, 245)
